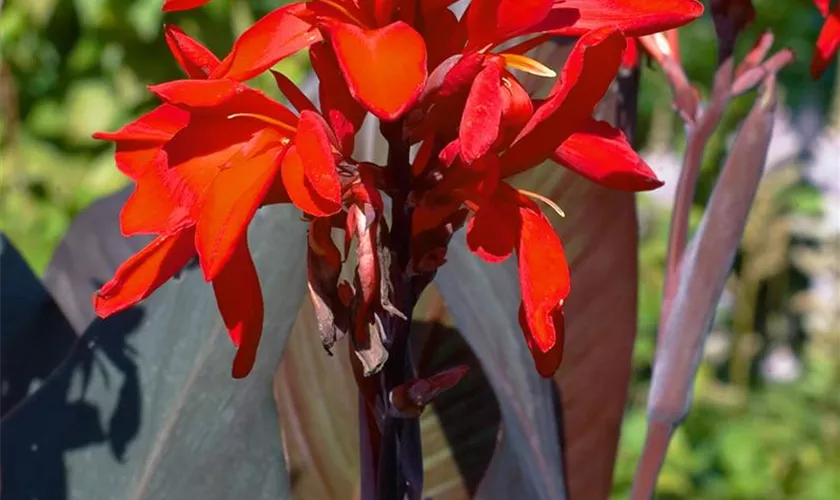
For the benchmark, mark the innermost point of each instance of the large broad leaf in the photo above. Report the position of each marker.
(484, 302)
(158, 414)
(87, 257)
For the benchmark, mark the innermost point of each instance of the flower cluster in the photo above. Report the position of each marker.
(215, 150)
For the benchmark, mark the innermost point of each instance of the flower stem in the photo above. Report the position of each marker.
(400, 470)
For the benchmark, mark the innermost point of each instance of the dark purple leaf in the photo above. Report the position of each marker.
(87, 257)
(34, 335)
(160, 415)
(483, 301)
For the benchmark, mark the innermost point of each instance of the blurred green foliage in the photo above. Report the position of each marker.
(72, 67)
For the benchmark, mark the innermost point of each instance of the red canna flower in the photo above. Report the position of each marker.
(829, 39)
(216, 150)
(494, 130)
(203, 162)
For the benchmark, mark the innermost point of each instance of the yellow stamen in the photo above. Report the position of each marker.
(266, 119)
(543, 199)
(528, 65)
(345, 12)
(487, 47)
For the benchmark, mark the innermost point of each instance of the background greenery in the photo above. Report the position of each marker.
(71, 67)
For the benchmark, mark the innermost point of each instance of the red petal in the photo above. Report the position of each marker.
(494, 21)
(383, 11)
(633, 17)
(630, 59)
(197, 153)
(153, 208)
(601, 153)
(342, 112)
(385, 68)
(822, 6)
(196, 93)
(216, 137)
(144, 272)
(827, 43)
(276, 36)
(460, 76)
(546, 362)
(193, 170)
(544, 278)
(586, 76)
(494, 231)
(175, 5)
(139, 142)
(240, 301)
(308, 170)
(294, 180)
(292, 93)
(158, 125)
(223, 98)
(517, 109)
(194, 58)
(444, 37)
(211, 142)
(433, 6)
(231, 202)
(482, 113)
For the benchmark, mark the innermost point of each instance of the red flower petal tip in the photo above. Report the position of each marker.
(177, 5)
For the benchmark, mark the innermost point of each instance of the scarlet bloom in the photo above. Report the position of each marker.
(492, 129)
(202, 163)
(829, 39)
(216, 150)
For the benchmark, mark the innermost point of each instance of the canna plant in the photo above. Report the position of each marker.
(461, 127)
(216, 150)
